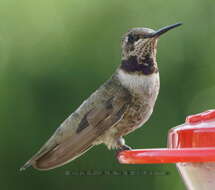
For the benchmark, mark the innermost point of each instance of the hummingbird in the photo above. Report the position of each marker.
(121, 105)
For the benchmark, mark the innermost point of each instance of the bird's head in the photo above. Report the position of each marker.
(139, 46)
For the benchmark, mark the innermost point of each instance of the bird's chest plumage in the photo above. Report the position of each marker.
(144, 91)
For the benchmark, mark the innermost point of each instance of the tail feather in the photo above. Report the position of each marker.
(44, 150)
(57, 152)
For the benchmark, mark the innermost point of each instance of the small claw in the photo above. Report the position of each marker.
(125, 147)
(121, 149)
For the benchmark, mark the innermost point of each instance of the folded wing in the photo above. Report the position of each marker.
(59, 151)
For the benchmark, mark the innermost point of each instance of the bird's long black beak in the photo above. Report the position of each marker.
(162, 30)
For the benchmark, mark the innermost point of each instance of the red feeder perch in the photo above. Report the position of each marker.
(191, 146)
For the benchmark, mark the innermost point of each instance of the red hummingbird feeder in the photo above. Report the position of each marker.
(191, 146)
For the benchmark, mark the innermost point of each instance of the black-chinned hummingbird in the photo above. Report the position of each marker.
(121, 105)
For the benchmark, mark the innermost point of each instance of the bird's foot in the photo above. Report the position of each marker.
(121, 145)
(124, 147)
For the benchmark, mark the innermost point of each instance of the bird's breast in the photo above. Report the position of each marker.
(144, 90)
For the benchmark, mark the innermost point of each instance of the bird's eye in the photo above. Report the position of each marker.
(133, 38)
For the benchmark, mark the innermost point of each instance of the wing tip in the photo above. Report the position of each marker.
(34, 165)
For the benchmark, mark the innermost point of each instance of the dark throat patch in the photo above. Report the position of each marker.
(133, 64)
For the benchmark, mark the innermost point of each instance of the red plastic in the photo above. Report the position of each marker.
(201, 117)
(155, 156)
(193, 141)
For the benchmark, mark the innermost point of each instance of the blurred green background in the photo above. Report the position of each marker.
(54, 54)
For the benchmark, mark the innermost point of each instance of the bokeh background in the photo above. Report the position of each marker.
(54, 54)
